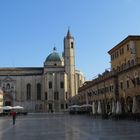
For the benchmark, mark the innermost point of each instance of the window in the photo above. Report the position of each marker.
(38, 91)
(112, 56)
(121, 85)
(134, 81)
(127, 47)
(122, 51)
(56, 96)
(8, 86)
(66, 106)
(72, 45)
(28, 88)
(46, 96)
(62, 84)
(50, 84)
(110, 88)
(50, 107)
(138, 81)
(117, 54)
(127, 84)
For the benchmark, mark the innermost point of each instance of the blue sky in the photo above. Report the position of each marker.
(30, 28)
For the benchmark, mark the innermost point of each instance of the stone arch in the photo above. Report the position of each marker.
(122, 101)
(96, 105)
(129, 102)
(109, 105)
(138, 102)
(103, 106)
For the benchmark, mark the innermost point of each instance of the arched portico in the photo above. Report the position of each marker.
(138, 103)
(129, 103)
(123, 107)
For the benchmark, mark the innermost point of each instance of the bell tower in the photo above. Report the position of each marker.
(69, 62)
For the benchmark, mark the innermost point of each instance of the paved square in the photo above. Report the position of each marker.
(67, 127)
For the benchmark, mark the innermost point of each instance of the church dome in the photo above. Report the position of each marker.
(53, 59)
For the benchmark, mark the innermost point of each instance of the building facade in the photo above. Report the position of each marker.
(117, 90)
(43, 89)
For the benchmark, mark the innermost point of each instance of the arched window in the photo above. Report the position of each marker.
(8, 86)
(46, 96)
(28, 87)
(50, 84)
(72, 45)
(38, 91)
(127, 84)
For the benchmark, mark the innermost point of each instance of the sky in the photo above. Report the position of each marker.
(29, 29)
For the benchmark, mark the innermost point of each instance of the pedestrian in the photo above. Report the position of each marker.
(14, 116)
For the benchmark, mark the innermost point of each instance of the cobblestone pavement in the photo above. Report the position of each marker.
(67, 127)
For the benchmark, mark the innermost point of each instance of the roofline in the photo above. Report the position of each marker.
(29, 68)
(21, 68)
(128, 38)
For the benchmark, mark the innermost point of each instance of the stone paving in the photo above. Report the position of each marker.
(67, 127)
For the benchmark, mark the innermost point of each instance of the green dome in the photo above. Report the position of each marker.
(53, 57)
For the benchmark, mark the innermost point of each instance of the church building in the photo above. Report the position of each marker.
(47, 88)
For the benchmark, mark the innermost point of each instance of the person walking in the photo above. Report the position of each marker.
(14, 117)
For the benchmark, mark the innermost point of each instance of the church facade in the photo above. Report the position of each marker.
(43, 89)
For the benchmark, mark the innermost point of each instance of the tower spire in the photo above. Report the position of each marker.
(68, 33)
